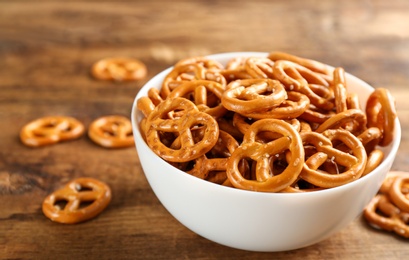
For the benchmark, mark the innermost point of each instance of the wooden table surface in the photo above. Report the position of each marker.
(46, 51)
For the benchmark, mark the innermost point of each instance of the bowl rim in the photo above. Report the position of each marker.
(392, 148)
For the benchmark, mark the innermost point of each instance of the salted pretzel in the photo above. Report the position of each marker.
(145, 105)
(78, 201)
(317, 116)
(50, 130)
(232, 75)
(251, 95)
(294, 76)
(375, 157)
(119, 69)
(261, 153)
(205, 94)
(243, 124)
(259, 68)
(339, 77)
(313, 65)
(203, 61)
(381, 113)
(353, 101)
(295, 105)
(217, 158)
(188, 117)
(389, 180)
(339, 120)
(237, 63)
(154, 96)
(111, 132)
(353, 163)
(399, 193)
(184, 72)
(340, 97)
(370, 138)
(227, 125)
(320, 96)
(381, 213)
(213, 68)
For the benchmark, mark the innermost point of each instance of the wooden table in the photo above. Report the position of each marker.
(46, 51)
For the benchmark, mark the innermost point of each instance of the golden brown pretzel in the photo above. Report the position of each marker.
(381, 113)
(94, 193)
(184, 72)
(353, 163)
(339, 77)
(399, 193)
(315, 115)
(154, 95)
(220, 153)
(51, 130)
(145, 105)
(370, 138)
(203, 61)
(389, 180)
(262, 153)
(226, 124)
(119, 69)
(294, 76)
(243, 124)
(338, 120)
(259, 68)
(189, 117)
(251, 95)
(295, 105)
(353, 101)
(111, 132)
(205, 94)
(313, 65)
(375, 157)
(237, 63)
(391, 218)
(340, 94)
(320, 96)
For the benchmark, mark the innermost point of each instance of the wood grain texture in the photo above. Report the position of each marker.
(46, 51)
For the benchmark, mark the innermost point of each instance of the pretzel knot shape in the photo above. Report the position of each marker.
(188, 118)
(203, 61)
(206, 95)
(399, 193)
(390, 179)
(295, 105)
(355, 116)
(251, 95)
(382, 213)
(354, 163)
(183, 72)
(51, 130)
(320, 96)
(111, 132)
(262, 152)
(381, 113)
(259, 68)
(95, 194)
(204, 164)
(119, 69)
(313, 65)
(295, 76)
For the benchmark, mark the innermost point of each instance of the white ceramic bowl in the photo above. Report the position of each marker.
(258, 221)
